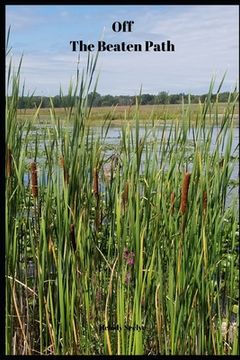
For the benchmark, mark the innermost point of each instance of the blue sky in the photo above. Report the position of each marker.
(205, 38)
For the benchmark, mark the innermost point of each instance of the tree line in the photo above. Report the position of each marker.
(97, 100)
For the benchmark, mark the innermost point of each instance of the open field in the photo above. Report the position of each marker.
(120, 114)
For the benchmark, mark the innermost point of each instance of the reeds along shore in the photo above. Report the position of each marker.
(99, 254)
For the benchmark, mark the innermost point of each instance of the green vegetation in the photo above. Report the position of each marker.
(147, 113)
(140, 236)
(97, 100)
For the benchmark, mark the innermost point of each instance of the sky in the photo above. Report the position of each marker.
(205, 38)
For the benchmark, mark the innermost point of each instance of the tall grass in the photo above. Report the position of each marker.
(150, 250)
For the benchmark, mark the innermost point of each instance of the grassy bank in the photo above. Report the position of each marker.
(120, 114)
(132, 252)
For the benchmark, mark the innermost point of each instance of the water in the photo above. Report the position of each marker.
(114, 137)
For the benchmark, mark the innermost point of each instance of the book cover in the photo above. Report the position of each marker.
(121, 180)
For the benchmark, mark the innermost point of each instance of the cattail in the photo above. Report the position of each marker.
(125, 194)
(185, 187)
(72, 237)
(172, 201)
(65, 172)
(95, 183)
(61, 162)
(204, 200)
(34, 179)
(9, 162)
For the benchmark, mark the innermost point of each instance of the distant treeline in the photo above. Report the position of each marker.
(95, 99)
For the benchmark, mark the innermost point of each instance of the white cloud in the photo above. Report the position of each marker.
(24, 18)
(206, 40)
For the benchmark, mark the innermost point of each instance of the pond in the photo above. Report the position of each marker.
(113, 141)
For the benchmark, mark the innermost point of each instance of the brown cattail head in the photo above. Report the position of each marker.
(65, 172)
(95, 182)
(72, 237)
(172, 201)
(184, 196)
(9, 162)
(125, 194)
(34, 179)
(204, 200)
(61, 161)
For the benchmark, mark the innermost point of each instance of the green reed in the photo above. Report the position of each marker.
(138, 246)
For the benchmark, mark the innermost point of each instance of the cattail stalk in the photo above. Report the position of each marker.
(204, 204)
(205, 200)
(125, 194)
(185, 187)
(61, 162)
(72, 237)
(183, 208)
(95, 183)
(34, 179)
(65, 172)
(9, 162)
